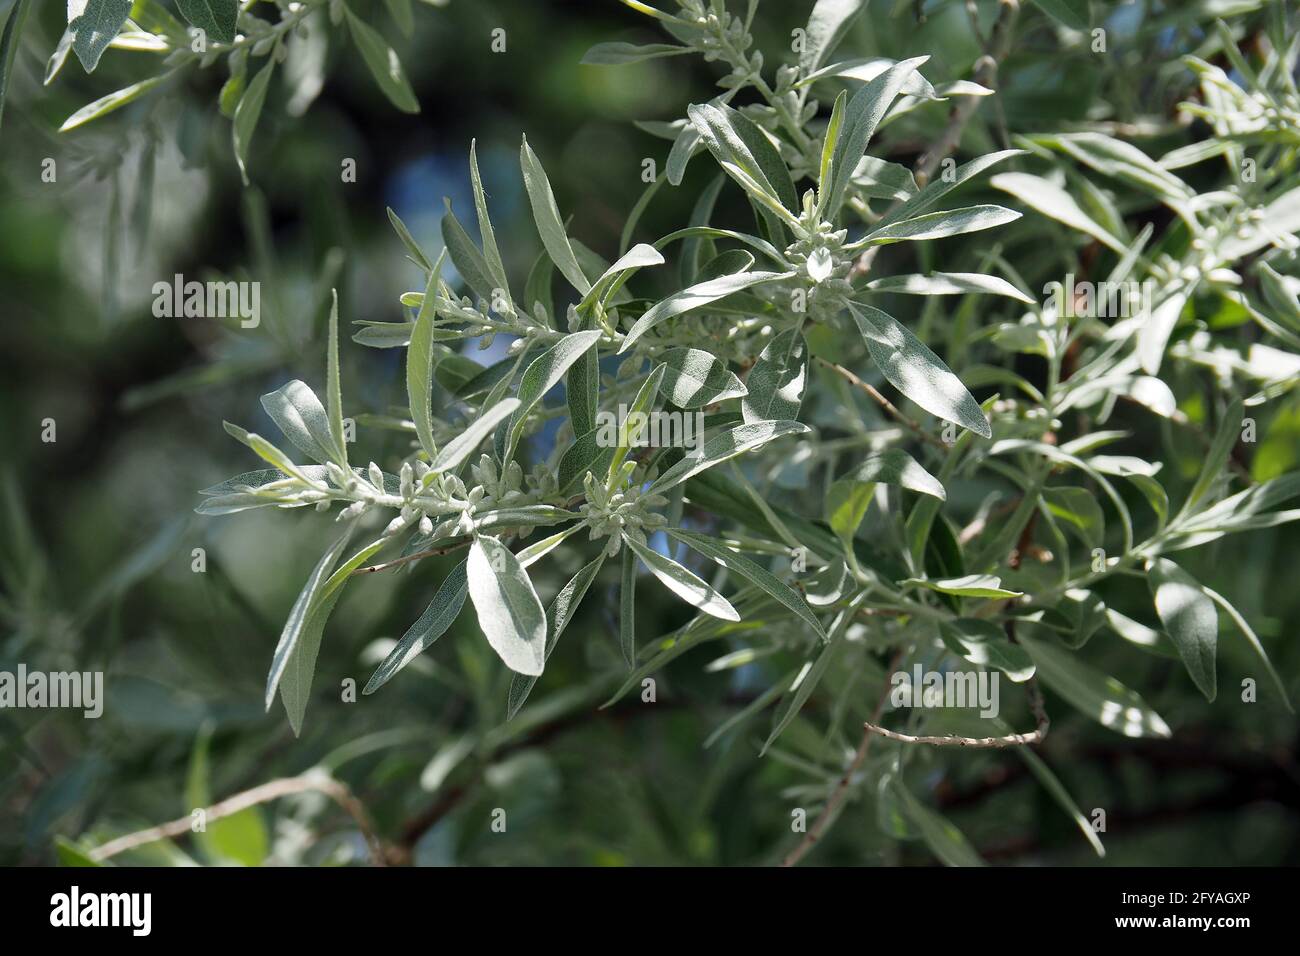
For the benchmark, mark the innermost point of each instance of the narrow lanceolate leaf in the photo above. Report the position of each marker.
(419, 367)
(247, 113)
(947, 842)
(113, 101)
(412, 247)
(265, 450)
(683, 583)
(983, 642)
(632, 427)
(466, 257)
(301, 416)
(778, 379)
(638, 257)
(1253, 639)
(383, 63)
(970, 585)
(216, 18)
(298, 615)
(936, 189)
(549, 224)
(948, 283)
(694, 378)
(431, 625)
(754, 573)
(558, 616)
(1054, 202)
(829, 21)
(827, 166)
(543, 374)
(850, 496)
(1190, 620)
(1216, 459)
(460, 447)
(909, 365)
(334, 388)
(695, 297)
(95, 29)
(810, 675)
(861, 117)
(10, 38)
(1101, 697)
(509, 611)
(737, 141)
(491, 254)
(723, 447)
(937, 225)
(627, 607)
(617, 54)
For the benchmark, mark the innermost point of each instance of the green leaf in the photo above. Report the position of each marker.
(1225, 439)
(948, 283)
(400, 11)
(982, 642)
(1070, 13)
(638, 257)
(628, 434)
(247, 113)
(970, 585)
(460, 447)
(216, 18)
(850, 496)
(938, 188)
(617, 54)
(431, 625)
(492, 255)
(1253, 640)
(333, 386)
(938, 225)
(627, 607)
(778, 379)
(909, 365)
(297, 411)
(10, 38)
(543, 374)
(861, 117)
(547, 216)
(509, 612)
(810, 675)
(694, 378)
(1054, 202)
(723, 447)
(827, 166)
(736, 142)
(96, 28)
(558, 616)
(307, 602)
(695, 297)
(73, 854)
(466, 257)
(755, 574)
(943, 838)
(408, 240)
(1189, 618)
(691, 589)
(383, 63)
(829, 21)
(1080, 509)
(1101, 697)
(239, 838)
(264, 450)
(419, 367)
(113, 101)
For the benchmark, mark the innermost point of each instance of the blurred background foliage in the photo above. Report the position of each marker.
(97, 529)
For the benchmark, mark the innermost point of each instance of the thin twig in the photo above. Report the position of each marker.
(273, 790)
(1011, 740)
(831, 810)
(406, 559)
(986, 74)
(883, 402)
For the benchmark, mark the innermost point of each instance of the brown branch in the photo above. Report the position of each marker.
(986, 74)
(406, 559)
(1010, 740)
(273, 790)
(841, 791)
(883, 402)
